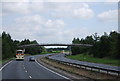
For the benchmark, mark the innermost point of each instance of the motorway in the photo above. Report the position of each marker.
(28, 70)
(60, 57)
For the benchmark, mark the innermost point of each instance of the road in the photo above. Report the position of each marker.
(28, 70)
(60, 57)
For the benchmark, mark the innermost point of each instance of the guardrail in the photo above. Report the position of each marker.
(87, 67)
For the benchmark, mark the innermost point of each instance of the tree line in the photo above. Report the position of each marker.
(103, 46)
(9, 46)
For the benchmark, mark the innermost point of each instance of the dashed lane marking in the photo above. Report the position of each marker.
(30, 77)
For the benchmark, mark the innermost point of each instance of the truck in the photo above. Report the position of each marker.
(20, 54)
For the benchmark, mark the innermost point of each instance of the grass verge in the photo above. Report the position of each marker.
(45, 53)
(88, 58)
(50, 52)
(77, 71)
(6, 60)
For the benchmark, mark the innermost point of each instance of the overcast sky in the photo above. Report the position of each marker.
(58, 22)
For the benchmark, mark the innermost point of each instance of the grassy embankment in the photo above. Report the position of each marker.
(74, 71)
(6, 60)
(88, 58)
(9, 59)
(50, 52)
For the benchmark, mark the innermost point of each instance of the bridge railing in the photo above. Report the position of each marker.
(33, 45)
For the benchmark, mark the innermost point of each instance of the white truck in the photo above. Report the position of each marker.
(20, 54)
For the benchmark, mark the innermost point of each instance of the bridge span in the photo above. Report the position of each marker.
(69, 45)
(34, 45)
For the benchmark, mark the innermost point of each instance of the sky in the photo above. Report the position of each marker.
(58, 21)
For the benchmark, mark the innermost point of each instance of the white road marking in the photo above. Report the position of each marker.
(26, 72)
(30, 77)
(5, 65)
(52, 71)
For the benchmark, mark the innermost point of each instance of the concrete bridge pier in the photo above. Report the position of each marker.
(69, 50)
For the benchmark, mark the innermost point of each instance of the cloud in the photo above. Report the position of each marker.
(46, 22)
(11, 8)
(35, 27)
(32, 26)
(32, 19)
(111, 15)
(15, 0)
(68, 1)
(112, 0)
(59, 0)
(57, 10)
(22, 8)
(84, 13)
(37, 7)
(72, 10)
(57, 23)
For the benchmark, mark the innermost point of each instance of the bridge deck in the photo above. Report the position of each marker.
(32, 45)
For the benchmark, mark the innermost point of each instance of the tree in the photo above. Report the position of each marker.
(75, 50)
(104, 46)
(81, 49)
(8, 49)
(0, 47)
(115, 44)
(96, 37)
(9, 46)
(118, 47)
(31, 50)
(89, 40)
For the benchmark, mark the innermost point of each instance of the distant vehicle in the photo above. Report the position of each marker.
(63, 52)
(32, 58)
(19, 54)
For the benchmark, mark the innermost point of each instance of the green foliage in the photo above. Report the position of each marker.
(88, 58)
(31, 50)
(10, 46)
(0, 47)
(118, 47)
(78, 50)
(115, 45)
(104, 46)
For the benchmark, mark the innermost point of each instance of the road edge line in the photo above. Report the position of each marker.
(5, 65)
(52, 71)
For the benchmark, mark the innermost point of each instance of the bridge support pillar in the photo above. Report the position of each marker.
(24, 49)
(69, 50)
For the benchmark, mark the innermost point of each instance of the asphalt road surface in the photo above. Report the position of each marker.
(28, 70)
(60, 57)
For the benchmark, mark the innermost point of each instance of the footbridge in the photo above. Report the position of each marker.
(34, 45)
(69, 45)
